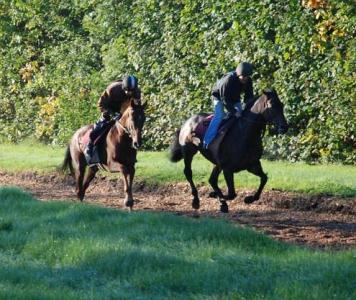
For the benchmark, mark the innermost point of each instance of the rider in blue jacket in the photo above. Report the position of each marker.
(227, 93)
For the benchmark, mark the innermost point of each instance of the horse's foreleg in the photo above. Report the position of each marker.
(188, 157)
(229, 178)
(257, 170)
(213, 180)
(128, 173)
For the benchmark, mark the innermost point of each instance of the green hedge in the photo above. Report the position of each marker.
(56, 57)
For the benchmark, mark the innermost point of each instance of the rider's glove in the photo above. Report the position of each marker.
(237, 114)
(116, 116)
(238, 109)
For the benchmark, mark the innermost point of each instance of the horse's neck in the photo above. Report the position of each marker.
(117, 130)
(251, 125)
(253, 117)
(121, 124)
(259, 106)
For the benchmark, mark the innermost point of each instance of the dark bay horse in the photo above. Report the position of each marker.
(241, 148)
(117, 152)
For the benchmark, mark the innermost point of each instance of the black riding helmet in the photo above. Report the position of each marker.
(129, 83)
(244, 69)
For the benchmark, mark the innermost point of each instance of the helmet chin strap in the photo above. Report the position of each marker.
(128, 93)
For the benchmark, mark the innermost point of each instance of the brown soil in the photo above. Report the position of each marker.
(314, 221)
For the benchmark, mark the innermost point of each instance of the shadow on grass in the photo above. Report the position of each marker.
(79, 251)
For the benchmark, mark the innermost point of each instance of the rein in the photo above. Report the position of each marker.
(124, 129)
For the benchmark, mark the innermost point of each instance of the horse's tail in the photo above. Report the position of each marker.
(67, 162)
(176, 149)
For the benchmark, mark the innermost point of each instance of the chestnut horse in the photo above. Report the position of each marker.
(240, 149)
(117, 152)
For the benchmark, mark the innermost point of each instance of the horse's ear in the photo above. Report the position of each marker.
(136, 102)
(274, 91)
(267, 91)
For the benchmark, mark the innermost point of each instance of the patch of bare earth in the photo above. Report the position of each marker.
(314, 221)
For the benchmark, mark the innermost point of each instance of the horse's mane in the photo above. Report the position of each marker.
(251, 102)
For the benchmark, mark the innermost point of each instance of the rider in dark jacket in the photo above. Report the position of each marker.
(227, 93)
(109, 104)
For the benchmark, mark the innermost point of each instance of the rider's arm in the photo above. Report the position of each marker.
(248, 91)
(103, 101)
(104, 105)
(227, 94)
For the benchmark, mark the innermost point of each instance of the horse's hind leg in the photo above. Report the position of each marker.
(89, 177)
(257, 170)
(80, 167)
(188, 153)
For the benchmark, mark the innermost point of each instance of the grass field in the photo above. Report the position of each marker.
(64, 250)
(154, 167)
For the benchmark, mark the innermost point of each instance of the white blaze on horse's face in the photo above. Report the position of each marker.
(137, 119)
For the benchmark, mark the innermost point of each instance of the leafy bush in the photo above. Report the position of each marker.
(58, 56)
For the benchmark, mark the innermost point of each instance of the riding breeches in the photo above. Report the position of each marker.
(219, 115)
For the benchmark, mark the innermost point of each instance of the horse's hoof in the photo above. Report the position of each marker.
(196, 204)
(129, 204)
(230, 197)
(224, 208)
(249, 199)
(213, 194)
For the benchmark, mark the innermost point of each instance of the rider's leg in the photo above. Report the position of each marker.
(219, 114)
(94, 134)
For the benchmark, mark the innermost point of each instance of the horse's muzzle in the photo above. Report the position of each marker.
(282, 129)
(136, 145)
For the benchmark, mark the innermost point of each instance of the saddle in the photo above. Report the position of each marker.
(84, 140)
(214, 146)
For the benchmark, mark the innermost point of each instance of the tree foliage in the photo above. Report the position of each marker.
(57, 56)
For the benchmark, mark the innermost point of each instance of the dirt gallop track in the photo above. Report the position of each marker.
(317, 222)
